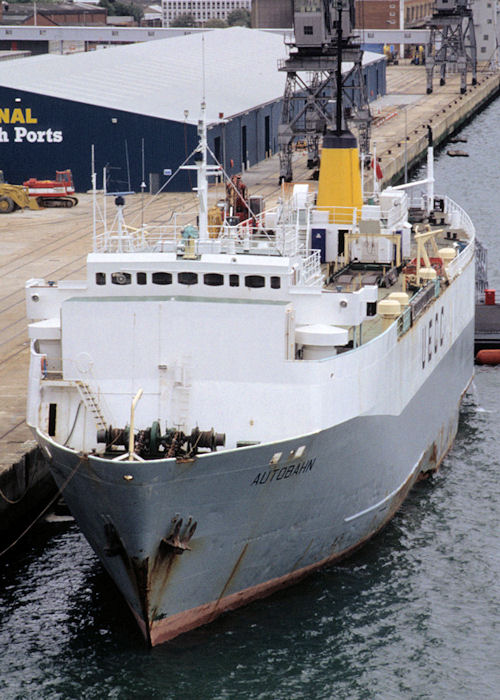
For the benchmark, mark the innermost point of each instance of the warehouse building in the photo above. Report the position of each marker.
(137, 108)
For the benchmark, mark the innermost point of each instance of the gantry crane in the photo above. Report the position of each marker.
(452, 41)
(323, 40)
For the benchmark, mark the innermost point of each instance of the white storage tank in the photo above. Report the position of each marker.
(320, 340)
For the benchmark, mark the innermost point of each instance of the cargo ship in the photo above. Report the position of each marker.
(232, 403)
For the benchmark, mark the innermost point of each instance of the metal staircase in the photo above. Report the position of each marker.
(92, 404)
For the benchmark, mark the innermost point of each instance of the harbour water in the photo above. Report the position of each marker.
(414, 614)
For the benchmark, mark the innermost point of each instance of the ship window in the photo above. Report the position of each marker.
(187, 278)
(255, 281)
(100, 278)
(121, 278)
(275, 282)
(213, 279)
(308, 29)
(141, 278)
(234, 280)
(162, 278)
(52, 419)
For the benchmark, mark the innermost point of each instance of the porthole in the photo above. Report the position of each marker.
(213, 279)
(142, 278)
(234, 280)
(255, 281)
(275, 282)
(100, 278)
(162, 278)
(187, 278)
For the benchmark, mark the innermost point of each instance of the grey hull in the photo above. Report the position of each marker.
(185, 541)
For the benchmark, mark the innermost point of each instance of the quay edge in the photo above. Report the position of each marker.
(444, 122)
(26, 486)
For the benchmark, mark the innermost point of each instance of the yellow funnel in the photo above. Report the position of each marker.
(339, 184)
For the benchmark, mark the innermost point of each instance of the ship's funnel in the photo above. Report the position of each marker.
(339, 184)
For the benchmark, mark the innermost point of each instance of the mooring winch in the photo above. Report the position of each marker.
(151, 444)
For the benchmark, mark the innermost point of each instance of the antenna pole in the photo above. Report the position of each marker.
(202, 185)
(105, 210)
(94, 202)
(143, 185)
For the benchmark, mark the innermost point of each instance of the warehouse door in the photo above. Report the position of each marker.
(267, 136)
(243, 147)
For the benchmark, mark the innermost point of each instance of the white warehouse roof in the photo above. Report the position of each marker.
(163, 78)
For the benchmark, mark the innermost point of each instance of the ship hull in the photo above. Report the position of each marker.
(187, 540)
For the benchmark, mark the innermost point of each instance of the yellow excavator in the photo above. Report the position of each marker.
(15, 197)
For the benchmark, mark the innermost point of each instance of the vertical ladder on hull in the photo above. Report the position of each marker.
(181, 394)
(92, 404)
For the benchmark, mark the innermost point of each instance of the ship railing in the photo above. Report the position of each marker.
(481, 270)
(306, 271)
(418, 304)
(459, 219)
(346, 216)
(423, 298)
(404, 321)
(287, 239)
(164, 238)
(458, 264)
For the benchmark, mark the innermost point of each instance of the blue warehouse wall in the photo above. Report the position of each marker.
(375, 76)
(247, 138)
(39, 135)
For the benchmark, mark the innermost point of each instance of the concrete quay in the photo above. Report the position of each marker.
(401, 117)
(53, 244)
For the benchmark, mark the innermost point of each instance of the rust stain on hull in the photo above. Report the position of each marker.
(233, 573)
(171, 627)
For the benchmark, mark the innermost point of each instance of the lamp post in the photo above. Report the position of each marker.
(401, 27)
(406, 143)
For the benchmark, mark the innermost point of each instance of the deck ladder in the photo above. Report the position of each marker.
(92, 404)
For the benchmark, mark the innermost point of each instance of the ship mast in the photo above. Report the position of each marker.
(204, 170)
(202, 183)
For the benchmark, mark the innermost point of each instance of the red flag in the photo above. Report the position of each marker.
(378, 170)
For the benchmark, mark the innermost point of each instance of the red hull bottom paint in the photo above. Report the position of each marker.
(170, 627)
(180, 623)
(488, 357)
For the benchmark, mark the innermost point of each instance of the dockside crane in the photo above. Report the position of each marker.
(452, 42)
(323, 39)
